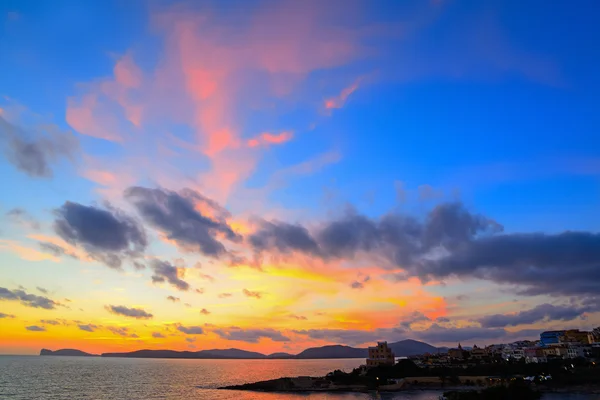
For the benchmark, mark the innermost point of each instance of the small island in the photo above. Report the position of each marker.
(66, 352)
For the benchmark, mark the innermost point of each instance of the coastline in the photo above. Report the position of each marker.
(304, 384)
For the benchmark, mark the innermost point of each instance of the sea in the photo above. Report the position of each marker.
(50, 377)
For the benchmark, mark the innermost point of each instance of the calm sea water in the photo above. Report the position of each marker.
(34, 377)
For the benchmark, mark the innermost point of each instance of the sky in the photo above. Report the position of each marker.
(277, 175)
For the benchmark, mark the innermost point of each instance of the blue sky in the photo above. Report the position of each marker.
(298, 113)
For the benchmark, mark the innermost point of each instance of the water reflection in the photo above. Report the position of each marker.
(33, 377)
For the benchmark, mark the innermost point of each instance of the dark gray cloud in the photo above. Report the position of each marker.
(173, 299)
(434, 334)
(250, 293)
(121, 331)
(298, 317)
(542, 312)
(442, 319)
(204, 311)
(27, 299)
(35, 328)
(439, 334)
(50, 322)
(561, 264)
(165, 272)
(250, 335)
(400, 239)
(138, 266)
(360, 283)
(449, 242)
(108, 235)
(351, 337)
(21, 216)
(206, 277)
(175, 214)
(34, 151)
(283, 237)
(415, 317)
(136, 313)
(158, 335)
(55, 250)
(42, 290)
(190, 330)
(2, 315)
(87, 327)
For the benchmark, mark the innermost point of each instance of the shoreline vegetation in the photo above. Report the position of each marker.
(494, 381)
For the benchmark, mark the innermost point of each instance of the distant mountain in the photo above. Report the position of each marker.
(281, 355)
(333, 351)
(403, 348)
(409, 347)
(206, 354)
(229, 353)
(154, 354)
(66, 352)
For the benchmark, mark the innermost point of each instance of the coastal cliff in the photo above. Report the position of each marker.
(66, 352)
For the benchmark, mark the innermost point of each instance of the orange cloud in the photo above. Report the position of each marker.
(26, 253)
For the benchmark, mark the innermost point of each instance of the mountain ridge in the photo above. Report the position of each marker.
(402, 348)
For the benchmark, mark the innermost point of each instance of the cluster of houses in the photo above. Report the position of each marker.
(563, 344)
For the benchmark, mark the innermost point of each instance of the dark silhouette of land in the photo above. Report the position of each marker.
(66, 352)
(500, 379)
(403, 348)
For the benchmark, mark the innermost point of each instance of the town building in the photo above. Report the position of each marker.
(576, 336)
(458, 353)
(478, 353)
(380, 355)
(513, 352)
(551, 337)
(534, 355)
(575, 351)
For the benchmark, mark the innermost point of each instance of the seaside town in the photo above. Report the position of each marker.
(561, 360)
(552, 345)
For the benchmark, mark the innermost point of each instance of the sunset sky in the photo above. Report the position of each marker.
(277, 175)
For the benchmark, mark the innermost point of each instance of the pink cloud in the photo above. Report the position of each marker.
(208, 73)
(340, 100)
(127, 73)
(267, 138)
(83, 116)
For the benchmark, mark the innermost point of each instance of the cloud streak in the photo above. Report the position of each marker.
(27, 299)
(165, 272)
(542, 312)
(250, 335)
(191, 330)
(136, 313)
(177, 216)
